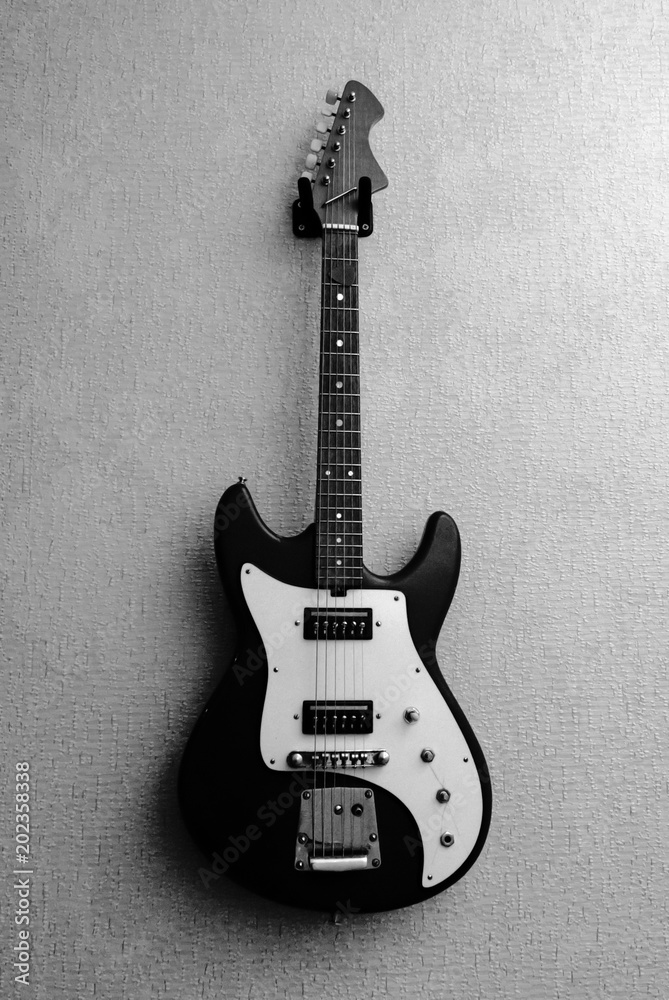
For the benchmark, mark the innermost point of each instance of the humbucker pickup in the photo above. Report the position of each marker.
(337, 717)
(337, 623)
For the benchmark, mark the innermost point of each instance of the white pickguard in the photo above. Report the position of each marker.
(388, 671)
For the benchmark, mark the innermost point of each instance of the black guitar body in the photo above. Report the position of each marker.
(242, 814)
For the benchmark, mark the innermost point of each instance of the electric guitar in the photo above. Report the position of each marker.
(333, 768)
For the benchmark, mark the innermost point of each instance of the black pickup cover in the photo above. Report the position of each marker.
(337, 623)
(337, 717)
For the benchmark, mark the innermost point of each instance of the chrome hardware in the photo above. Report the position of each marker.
(411, 715)
(326, 180)
(447, 839)
(330, 760)
(351, 97)
(347, 113)
(443, 795)
(342, 130)
(335, 841)
(427, 755)
(331, 162)
(241, 479)
(342, 864)
(336, 146)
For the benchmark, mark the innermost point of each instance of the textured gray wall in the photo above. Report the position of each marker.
(160, 338)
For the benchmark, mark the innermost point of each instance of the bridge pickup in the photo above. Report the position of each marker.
(337, 623)
(337, 717)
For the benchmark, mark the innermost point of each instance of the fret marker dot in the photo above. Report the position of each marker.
(327, 473)
(340, 423)
(340, 343)
(340, 297)
(338, 562)
(350, 472)
(339, 539)
(338, 516)
(339, 384)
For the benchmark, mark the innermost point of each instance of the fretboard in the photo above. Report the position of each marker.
(338, 487)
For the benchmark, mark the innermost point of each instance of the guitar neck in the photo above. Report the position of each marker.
(339, 481)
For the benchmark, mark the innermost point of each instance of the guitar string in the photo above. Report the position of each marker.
(358, 644)
(345, 337)
(340, 246)
(322, 529)
(346, 401)
(324, 582)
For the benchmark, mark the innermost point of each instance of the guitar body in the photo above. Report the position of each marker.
(242, 796)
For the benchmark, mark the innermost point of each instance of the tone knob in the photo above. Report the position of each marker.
(331, 97)
(311, 161)
(295, 759)
(411, 715)
(427, 755)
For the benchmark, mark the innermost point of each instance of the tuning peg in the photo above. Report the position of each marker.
(327, 113)
(322, 127)
(311, 161)
(317, 145)
(308, 174)
(331, 97)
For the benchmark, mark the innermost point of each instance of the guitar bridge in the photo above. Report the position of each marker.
(337, 831)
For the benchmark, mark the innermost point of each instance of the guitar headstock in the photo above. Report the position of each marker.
(343, 172)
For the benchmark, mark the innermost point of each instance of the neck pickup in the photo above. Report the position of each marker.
(338, 623)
